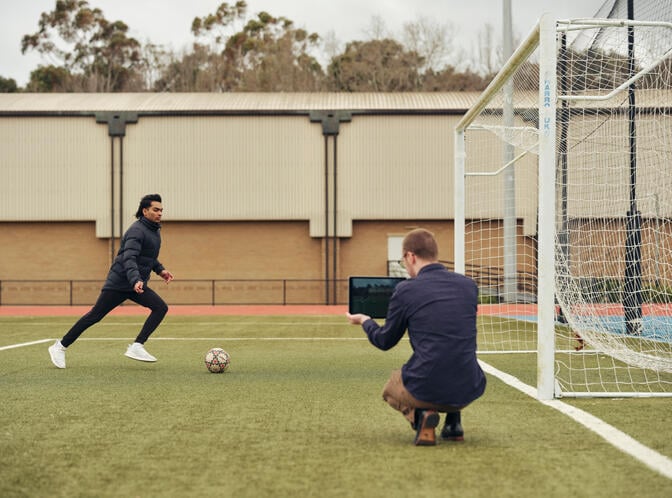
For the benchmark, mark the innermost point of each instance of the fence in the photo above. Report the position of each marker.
(196, 292)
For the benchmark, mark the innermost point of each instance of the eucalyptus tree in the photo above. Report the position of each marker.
(85, 50)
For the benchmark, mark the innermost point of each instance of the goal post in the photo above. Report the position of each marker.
(585, 129)
(494, 93)
(546, 210)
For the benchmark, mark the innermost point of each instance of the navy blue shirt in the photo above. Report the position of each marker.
(438, 308)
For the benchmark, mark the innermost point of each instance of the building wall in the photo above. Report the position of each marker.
(227, 167)
(51, 251)
(37, 260)
(212, 168)
(396, 167)
(53, 169)
(365, 253)
(248, 195)
(207, 250)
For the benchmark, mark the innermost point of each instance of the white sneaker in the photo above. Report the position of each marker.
(57, 353)
(137, 351)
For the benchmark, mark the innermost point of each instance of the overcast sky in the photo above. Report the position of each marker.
(168, 22)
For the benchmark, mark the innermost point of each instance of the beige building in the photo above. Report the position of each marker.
(269, 198)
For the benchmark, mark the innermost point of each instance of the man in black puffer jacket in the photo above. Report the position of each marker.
(136, 259)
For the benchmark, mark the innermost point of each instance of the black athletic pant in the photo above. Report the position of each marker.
(108, 300)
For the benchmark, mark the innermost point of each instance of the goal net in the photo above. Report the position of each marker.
(563, 203)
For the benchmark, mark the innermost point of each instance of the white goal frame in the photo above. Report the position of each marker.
(542, 39)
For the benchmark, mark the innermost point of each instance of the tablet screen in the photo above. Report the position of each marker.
(371, 295)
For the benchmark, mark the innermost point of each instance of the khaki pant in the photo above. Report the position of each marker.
(401, 400)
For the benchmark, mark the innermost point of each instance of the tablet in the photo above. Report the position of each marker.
(371, 295)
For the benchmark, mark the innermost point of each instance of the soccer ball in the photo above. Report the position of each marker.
(217, 360)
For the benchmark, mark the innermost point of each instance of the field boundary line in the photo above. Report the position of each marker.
(226, 339)
(99, 339)
(23, 344)
(622, 441)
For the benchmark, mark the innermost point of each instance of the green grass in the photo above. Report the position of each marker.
(292, 417)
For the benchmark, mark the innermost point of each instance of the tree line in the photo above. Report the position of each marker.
(234, 51)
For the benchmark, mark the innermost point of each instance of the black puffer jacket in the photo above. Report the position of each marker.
(137, 256)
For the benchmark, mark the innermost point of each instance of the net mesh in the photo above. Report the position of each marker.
(613, 204)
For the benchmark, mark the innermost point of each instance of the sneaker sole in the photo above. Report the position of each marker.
(148, 360)
(51, 356)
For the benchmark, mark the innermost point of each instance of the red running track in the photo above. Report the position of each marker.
(180, 310)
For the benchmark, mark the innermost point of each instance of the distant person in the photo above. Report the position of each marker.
(438, 308)
(127, 279)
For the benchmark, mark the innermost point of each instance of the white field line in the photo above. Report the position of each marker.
(650, 458)
(141, 320)
(225, 339)
(12, 346)
(620, 440)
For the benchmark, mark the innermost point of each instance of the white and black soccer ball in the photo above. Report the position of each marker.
(217, 360)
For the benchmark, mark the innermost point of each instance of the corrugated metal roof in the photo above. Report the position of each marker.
(233, 102)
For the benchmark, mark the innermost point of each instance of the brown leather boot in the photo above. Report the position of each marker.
(425, 423)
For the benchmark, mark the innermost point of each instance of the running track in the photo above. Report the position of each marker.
(180, 310)
(201, 310)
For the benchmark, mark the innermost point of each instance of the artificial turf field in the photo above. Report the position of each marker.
(299, 413)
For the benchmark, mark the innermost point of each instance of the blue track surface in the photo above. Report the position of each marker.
(657, 328)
